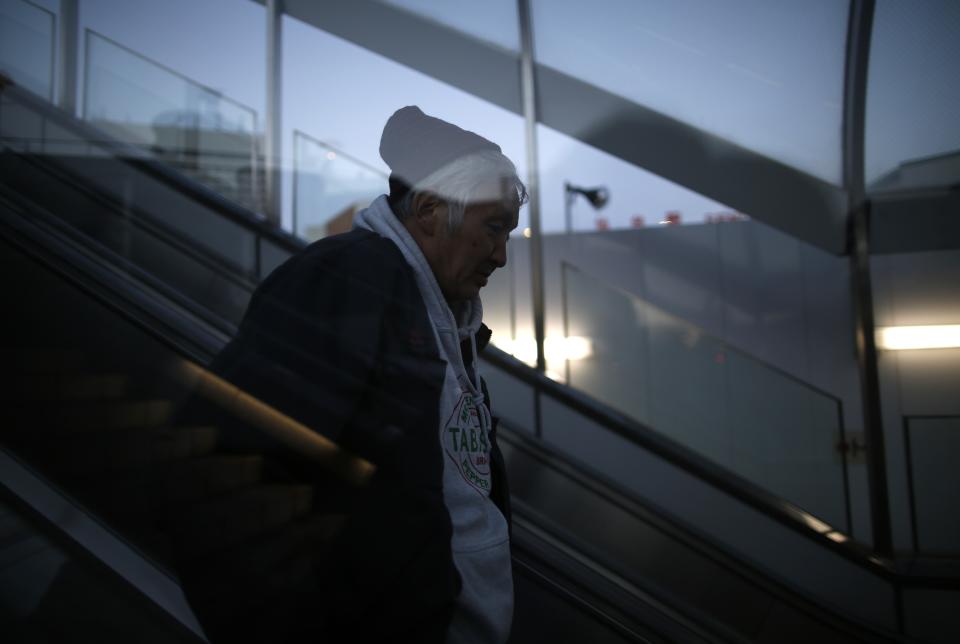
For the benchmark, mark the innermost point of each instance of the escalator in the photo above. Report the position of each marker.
(129, 276)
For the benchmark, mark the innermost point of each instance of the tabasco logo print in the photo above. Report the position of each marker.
(465, 441)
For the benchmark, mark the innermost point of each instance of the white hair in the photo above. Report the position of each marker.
(483, 176)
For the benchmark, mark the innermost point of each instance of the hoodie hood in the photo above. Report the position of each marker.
(451, 328)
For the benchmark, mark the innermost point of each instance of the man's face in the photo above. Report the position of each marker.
(463, 260)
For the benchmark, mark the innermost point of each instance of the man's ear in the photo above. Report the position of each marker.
(429, 212)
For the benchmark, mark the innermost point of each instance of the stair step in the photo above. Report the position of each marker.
(261, 586)
(11, 526)
(224, 521)
(140, 499)
(58, 386)
(252, 563)
(43, 360)
(65, 419)
(122, 450)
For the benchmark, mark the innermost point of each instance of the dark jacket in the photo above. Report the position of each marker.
(338, 338)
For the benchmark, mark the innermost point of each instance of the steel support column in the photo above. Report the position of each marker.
(858, 51)
(67, 48)
(272, 131)
(529, 97)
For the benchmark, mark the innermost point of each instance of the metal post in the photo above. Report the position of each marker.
(528, 89)
(272, 132)
(67, 56)
(858, 239)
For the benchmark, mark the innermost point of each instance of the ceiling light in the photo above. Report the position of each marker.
(932, 336)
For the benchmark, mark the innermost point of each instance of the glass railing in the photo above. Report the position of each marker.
(27, 46)
(700, 391)
(195, 129)
(329, 186)
(174, 230)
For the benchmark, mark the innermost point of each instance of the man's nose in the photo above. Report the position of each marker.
(499, 255)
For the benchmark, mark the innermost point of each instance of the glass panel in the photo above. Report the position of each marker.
(913, 98)
(61, 173)
(726, 404)
(635, 198)
(495, 22)
(767, 76)
(638, 203)
(345, 106)
(682, 286)
(512, 399)
(27, 46)
(934, 444)
(193, 128)
(329, 187)
(220, 44)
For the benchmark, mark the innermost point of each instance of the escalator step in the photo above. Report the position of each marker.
(253, 591)
(121, 450)
(58, 386)
(268, 565)
(140, 499)
(43, 360)
(72, 417)
(221, 522)
(12, 526)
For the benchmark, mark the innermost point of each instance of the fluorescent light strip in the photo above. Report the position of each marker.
(934, 336)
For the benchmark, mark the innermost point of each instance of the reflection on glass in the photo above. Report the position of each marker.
(187, 125)
(765, 75)
(671, 375)
(913, 98)
(329, 187)
(26, 46)
(345, 99)
(636, 198)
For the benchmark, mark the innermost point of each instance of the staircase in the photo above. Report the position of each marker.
(243, 545)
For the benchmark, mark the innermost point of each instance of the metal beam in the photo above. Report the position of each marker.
(528, 86)
(450, 56)
(786, 198)
(855, 88)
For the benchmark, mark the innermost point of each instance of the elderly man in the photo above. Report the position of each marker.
(372, 338)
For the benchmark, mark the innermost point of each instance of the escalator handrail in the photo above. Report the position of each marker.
(85, 536)
(611, 492)
(702, 468)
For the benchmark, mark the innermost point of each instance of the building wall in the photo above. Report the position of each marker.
(921, 399)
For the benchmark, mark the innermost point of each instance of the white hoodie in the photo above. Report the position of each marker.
(480, 544)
